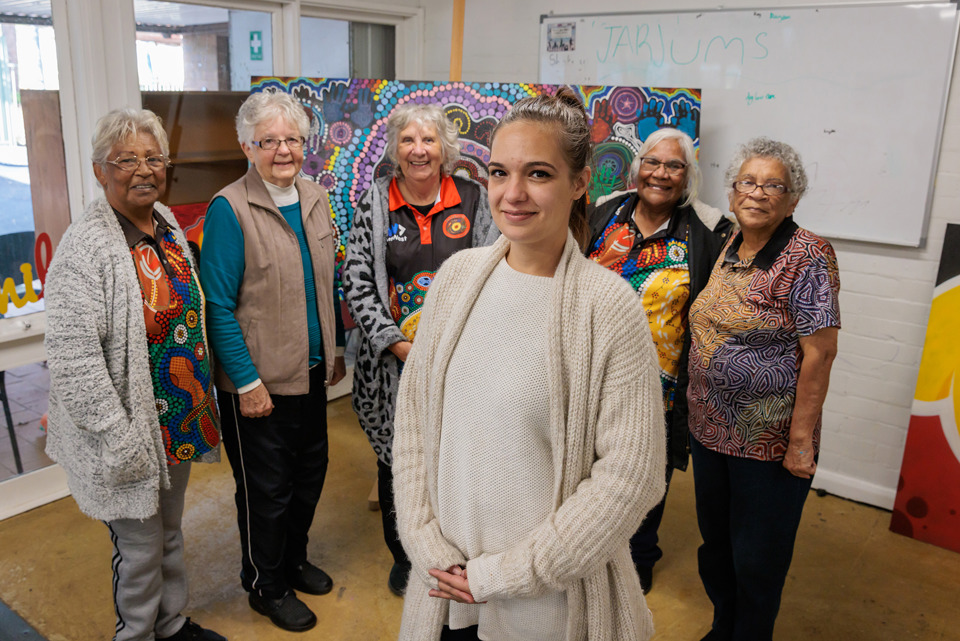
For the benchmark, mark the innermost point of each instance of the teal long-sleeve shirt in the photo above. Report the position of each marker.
(221, 274)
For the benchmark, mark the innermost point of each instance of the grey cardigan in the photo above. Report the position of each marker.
(102, 425)
(367, 291)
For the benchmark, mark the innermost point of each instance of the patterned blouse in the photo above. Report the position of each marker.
(745, 354)
(657, 268)
(176, 342)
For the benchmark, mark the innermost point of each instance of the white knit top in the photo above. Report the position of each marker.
(608, 453)
(495, 479)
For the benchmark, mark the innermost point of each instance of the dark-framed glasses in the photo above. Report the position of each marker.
(652, 164)
(269, 144)
(132, 163)
(770, 189)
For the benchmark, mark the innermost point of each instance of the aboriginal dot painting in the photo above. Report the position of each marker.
(927, 506)
(345, 151)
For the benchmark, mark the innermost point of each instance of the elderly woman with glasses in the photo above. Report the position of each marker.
(405, 227)
(131, 381)
(664, 242)
(764, 337)
(267, 267)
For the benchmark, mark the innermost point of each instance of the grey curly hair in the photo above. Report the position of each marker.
(122, 124)
(694, 177)
(428, 114)
(763, 147)
(266, 105)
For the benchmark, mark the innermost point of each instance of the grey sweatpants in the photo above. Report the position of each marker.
(149, 576)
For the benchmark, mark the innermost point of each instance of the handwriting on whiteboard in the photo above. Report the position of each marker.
(648, 41)
(567, 59)
(758, 97)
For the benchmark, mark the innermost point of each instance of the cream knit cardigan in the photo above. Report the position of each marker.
(606, 416)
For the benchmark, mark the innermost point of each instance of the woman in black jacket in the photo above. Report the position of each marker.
(664, 242)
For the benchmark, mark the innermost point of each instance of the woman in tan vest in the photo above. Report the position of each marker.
(267, 268)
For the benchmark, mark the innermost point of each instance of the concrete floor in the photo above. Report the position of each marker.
(852, 579)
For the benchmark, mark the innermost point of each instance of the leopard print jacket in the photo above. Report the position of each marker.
(376, 373)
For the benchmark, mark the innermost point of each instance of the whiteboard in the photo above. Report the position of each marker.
(859, 91)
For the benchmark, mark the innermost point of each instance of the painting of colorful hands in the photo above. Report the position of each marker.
(927, 506)
(348, 133)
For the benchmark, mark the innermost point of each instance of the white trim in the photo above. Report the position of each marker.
(408, 21)
(358, 11)
(97, 57)
(850, 487)
(286, 40)
(27, 491)
(68, 108)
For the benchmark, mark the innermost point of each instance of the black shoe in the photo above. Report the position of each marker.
(193, 632)
(646, 578)
(399, 575)
(288, 612)
(308, 578)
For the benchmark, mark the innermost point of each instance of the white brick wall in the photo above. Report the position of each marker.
(886, 291)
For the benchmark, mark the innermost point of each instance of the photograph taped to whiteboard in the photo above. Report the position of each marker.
(860, 91)
(345, 151)
(562, 36)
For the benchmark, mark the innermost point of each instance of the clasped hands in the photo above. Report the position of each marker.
(452, 584)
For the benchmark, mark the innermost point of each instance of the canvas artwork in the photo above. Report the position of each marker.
(927, 506)
(345, 151)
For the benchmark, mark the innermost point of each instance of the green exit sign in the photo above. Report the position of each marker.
(256, 45)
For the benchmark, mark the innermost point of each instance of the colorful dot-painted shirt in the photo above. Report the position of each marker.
(745, 353)
(417, 244)
(180, 363)
(657, 269)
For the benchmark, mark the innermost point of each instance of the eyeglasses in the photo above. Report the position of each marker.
(770, 189)
(132, 163)
(269, 144)
(652, 164)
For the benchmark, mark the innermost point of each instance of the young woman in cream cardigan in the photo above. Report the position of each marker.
(529, 431)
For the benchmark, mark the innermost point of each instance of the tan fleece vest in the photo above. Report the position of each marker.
(271, 303)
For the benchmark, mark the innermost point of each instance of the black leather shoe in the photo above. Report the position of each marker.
(193, 632)
(308, 578)
(288, 612)
(399, 575)
(646, 578)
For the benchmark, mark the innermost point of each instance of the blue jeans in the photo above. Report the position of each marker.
(748, 512)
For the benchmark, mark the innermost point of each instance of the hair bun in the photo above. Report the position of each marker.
(568, 96)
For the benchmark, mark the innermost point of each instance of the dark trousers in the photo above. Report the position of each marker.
(465, 634)
(388, 513)
(279, 464)
(748, 512)
(644, 546)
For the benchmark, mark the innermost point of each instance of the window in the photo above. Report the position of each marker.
(324, 48)
(342, 49)
(34, 215)
(187, 47)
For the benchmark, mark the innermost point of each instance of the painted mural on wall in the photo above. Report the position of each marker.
(346, 149)
(927, 506)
